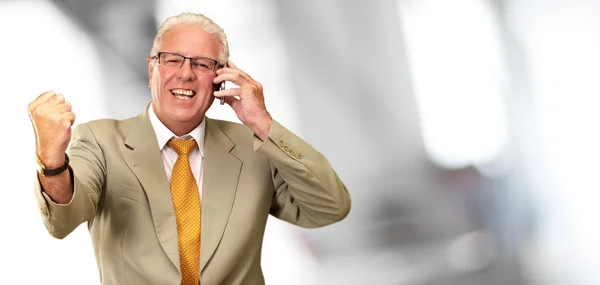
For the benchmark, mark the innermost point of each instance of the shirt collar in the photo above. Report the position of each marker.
(163, 134)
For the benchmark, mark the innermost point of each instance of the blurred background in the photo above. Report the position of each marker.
(465, 130)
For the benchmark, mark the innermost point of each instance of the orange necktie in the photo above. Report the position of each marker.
(187, 210)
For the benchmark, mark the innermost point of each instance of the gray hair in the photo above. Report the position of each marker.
(193, 19)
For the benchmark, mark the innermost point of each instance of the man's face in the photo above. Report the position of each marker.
(174, 110)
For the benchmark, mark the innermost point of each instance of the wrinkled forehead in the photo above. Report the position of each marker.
(191, 41)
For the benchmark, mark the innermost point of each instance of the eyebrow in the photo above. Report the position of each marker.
(199, 56)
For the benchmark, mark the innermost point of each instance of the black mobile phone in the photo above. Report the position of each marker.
(223, 87)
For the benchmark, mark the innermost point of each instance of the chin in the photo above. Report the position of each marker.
(183, 116)
(186, 115)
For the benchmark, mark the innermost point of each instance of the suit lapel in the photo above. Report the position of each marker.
(220, 179)
(145, 161)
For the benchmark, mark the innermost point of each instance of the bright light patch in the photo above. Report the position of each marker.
(457, 74)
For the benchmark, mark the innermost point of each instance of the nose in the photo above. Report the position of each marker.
(186, 71)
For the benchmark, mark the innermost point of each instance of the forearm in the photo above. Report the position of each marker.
(305, 201)
(308, 191)
(62, 217)
(71, 198)
(59, 188)
(261, 129)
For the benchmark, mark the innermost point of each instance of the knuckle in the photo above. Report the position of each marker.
(38, 113)
(54, 118)
(47, 94)
(65, 123)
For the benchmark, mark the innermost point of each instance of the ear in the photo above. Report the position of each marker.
(150, 70)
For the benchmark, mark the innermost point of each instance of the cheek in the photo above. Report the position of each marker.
(207, 84)
(165, 77)
(155, 86)
(158, 84)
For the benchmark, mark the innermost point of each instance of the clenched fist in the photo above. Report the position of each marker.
(52, 120)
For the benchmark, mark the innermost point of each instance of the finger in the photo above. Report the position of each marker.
(45, 96)
(39, 100)
(64, 107)
(234, 67)
(228, 92)
(49, 104)
(233, 70)
(235, 78)
(56, 100)
(69, 116)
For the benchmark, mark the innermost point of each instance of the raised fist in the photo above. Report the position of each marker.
(52, 120)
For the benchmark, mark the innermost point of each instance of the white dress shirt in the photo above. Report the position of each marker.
(169, 156)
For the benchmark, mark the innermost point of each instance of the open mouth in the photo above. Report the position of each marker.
(183, 94)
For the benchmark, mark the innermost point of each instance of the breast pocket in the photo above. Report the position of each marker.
(128, 190)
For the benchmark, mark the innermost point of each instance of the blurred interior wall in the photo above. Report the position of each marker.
(558, 41)
(352, 75)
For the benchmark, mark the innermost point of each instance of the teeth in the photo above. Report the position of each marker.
(183, 97)
(183, 92)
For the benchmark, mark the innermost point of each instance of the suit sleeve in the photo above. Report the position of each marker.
(308, 192)
(88, 173)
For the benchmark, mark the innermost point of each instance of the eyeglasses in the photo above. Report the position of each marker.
(169, 59)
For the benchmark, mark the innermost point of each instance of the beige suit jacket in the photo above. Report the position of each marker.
(122, 192)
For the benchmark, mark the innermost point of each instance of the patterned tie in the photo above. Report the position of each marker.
(187, 210)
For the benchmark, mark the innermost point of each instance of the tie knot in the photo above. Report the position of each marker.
(182, 147)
